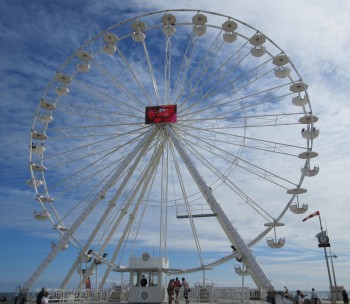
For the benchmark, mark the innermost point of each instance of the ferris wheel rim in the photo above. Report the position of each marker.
(39, 137)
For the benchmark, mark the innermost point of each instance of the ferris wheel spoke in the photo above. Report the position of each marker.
(224, 177)
(219, 70)
(120, 106)
(63, 159)
(202, 70)
(82, 203)
(134, 76)
(241, 103)
(124, 141)
(211, 80)
(151, 71)
(186, 60)
(185, 79)
(113, 79)
(96, 137)
(211, 86)
(268, 121)
(210, 148)
(79, 178)
(187, 204)
(221, 135)
(167, 70)
(252, 80)
(87, 132)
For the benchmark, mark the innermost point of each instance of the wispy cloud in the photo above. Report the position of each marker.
(37, 37)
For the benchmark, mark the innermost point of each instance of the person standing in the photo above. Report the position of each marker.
(186, 289)
(143, 281)
(177, 286)
(45, 298)
(314, 296)
(345, 296)
(40, 295)
(170, 290)
(296, 297)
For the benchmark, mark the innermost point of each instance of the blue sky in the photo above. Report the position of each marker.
(38, 36)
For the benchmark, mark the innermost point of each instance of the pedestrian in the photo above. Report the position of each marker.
(40, 295)
(187, 289)
(314, 297)
(45, 298)
(301, 298)
(170, 290)
(177, 286)
(270, 297)
(143, 281)
(285, 292)
(296, 297)
(345, 296)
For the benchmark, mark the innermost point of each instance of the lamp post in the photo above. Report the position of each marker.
(324, 242)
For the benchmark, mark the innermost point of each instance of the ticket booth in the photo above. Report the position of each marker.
(151, 272)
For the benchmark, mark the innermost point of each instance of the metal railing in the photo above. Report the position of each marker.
(119, 294)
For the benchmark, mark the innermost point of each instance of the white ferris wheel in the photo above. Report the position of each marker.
(172, 129)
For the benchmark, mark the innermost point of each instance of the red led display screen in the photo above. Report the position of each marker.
(160, 114)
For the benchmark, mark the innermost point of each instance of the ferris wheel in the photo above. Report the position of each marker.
(171, 125)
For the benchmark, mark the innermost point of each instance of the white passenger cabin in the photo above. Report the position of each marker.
(154, 269)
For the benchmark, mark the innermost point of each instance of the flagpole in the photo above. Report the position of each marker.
(323, 244)
(333, 300)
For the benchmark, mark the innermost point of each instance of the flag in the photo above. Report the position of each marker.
(311, 215)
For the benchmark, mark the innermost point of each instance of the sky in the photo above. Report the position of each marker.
(37, 37)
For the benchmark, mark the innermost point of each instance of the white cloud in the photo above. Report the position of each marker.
(311, 33)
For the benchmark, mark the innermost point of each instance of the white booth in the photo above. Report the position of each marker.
(154, 270)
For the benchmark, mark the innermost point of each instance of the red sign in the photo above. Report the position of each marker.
(161, 114)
